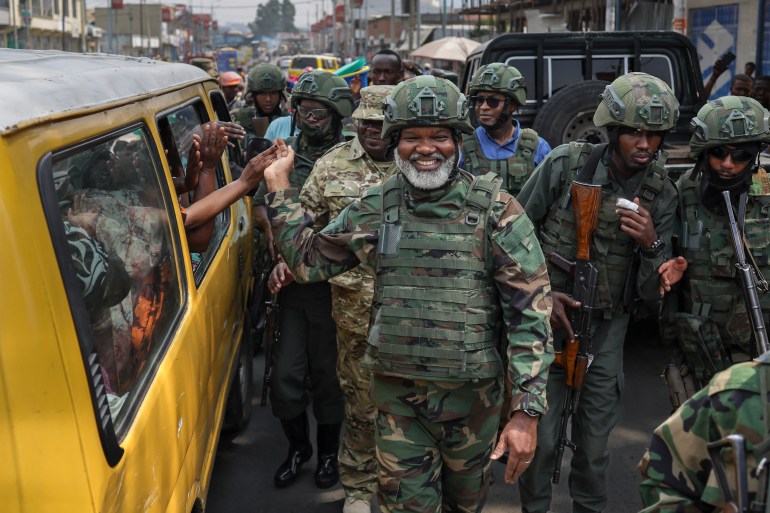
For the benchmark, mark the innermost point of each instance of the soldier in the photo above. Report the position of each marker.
(711, 320)
(637, 110)
(307, 348)
(678, 474)
(455, 260)
(338, 178)
(499, 144)
(267, 85)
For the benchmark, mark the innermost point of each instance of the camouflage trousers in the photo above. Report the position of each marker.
(433, 443)
(598, 412)
(356, 460)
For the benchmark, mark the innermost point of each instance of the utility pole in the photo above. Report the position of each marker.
(419, 22)
(63, 28)
(12, 6)
(141, 27)
(411, 25)
(393, 44)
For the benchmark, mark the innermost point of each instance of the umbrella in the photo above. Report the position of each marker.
(446, 49)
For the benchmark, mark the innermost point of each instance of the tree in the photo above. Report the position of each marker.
(269, 18)
(287, 16)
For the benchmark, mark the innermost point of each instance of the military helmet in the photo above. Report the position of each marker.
(326, 88)
(500, 78)
(266, 78)
(370, 106)
(425, 100)
(640, 101)
(729, 120)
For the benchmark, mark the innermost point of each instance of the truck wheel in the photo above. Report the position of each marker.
(569, 115)
(238, 408)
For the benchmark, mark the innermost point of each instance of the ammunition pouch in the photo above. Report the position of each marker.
(702, 345)
(680, 382)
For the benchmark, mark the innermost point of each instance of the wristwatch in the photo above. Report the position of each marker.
(532, 413)
(655, 250)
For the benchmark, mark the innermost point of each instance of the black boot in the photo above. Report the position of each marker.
(300, 450)
(326, 474)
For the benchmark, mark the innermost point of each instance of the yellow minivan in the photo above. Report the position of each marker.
(118, 345)
(300, 62)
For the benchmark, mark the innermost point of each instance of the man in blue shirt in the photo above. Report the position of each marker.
(499, 144)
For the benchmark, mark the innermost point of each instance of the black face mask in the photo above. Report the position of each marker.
(712, 185)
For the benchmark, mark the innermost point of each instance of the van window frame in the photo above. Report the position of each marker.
(214, 246)
(110, 434)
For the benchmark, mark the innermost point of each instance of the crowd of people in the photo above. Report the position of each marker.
(415, 234)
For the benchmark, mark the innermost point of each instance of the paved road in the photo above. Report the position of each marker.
(244, 467)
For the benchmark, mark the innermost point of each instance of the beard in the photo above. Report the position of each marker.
(426, 180)
(502, 120)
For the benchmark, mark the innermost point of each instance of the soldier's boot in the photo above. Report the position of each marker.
(300, 450)
(326, 474)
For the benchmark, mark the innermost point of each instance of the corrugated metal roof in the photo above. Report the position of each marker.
(37, 84)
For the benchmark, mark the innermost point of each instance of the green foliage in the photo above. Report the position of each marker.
(273, 17)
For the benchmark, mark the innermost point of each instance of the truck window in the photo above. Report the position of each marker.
(659, 66)
(526, 66)
(116, 212)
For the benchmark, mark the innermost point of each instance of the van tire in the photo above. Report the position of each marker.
(238, 408)
(568, 115)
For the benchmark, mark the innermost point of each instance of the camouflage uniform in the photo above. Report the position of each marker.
(711, 324)
(514, 171)
(546, 200)
(678, 475)
(338, 178)
(436, 386)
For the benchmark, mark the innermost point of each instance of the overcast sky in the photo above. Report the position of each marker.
(244, 11)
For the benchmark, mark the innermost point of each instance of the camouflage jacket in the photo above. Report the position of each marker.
(677, 472)
(519, 272)
(339, 178)
(544, 199)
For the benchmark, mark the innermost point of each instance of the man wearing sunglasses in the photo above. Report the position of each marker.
(305, 359)
(499, 144)
(708, 312)
(340, 177)
(628, 246)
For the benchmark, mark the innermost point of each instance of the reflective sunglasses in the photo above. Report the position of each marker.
(721, 152)
(318, 114)
(478, 101)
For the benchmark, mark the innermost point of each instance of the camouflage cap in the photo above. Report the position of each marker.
(729, 120)
(640, 101)
(425, 100)
(372, 98)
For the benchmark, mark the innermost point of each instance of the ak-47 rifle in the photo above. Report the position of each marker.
(576, 354)
(272, 336)
(748, 278)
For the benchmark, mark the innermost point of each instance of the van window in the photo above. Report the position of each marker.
(304, 62)
(119, 238)
(177, 128)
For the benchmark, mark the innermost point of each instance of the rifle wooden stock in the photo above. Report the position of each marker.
(586, 201)
(574, 358)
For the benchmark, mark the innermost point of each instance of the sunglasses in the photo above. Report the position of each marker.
(721, 152)
(478, 101)
(318, 114)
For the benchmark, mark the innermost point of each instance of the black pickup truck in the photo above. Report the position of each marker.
(566, 72)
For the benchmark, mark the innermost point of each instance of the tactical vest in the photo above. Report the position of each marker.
(713, 290)
(611, 248)
(514, 170)
(436, 312)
